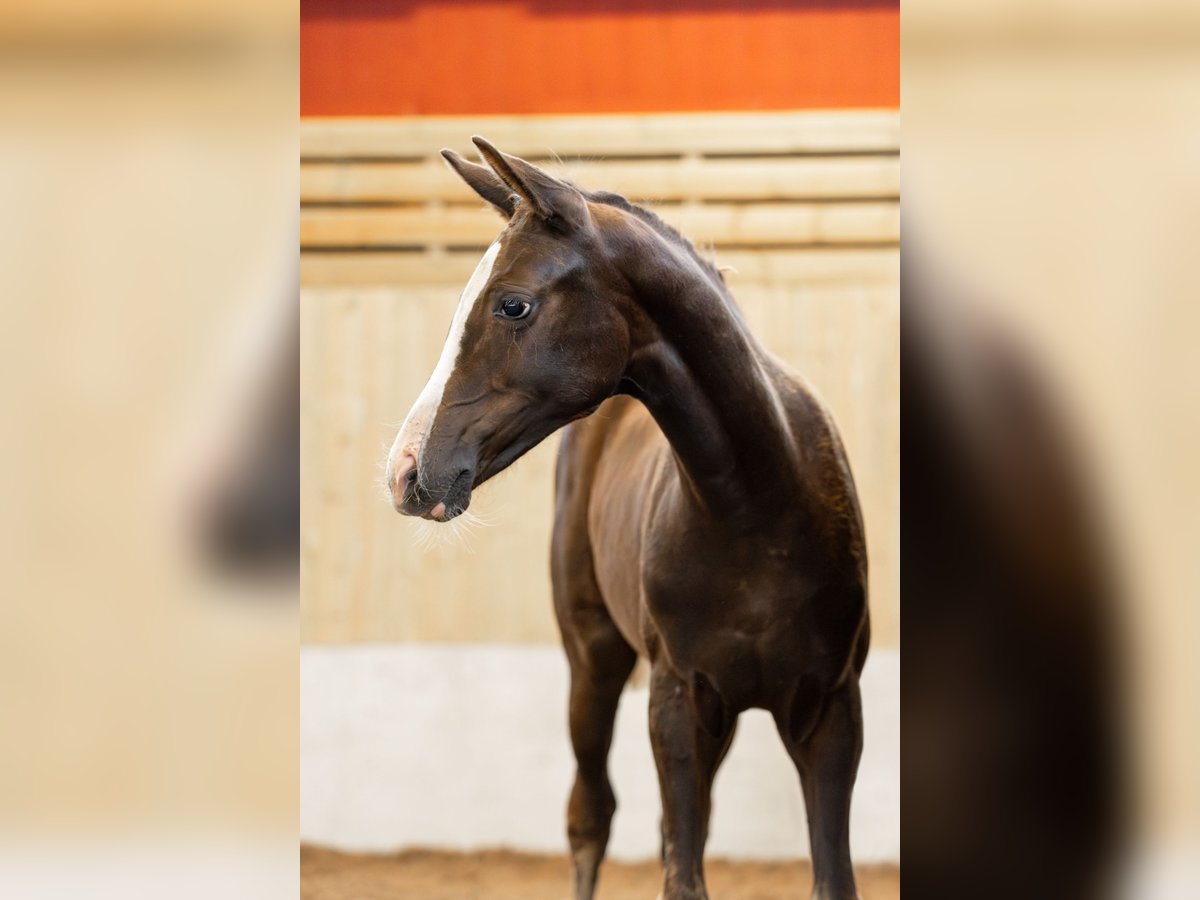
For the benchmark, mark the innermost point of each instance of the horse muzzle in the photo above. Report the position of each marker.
(427, 494)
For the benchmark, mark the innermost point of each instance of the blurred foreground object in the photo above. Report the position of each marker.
(1051, 182)
(249, 515)
(147, 203)
(1011, 771)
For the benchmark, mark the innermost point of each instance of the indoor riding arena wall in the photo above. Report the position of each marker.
(433, 687)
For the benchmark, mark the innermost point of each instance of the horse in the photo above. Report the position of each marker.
(706, 517)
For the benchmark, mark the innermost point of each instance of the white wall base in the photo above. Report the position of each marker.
(465, 747)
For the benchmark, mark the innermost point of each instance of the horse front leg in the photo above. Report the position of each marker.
(827, 762)
(687, 753)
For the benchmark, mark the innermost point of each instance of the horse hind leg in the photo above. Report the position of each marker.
(597, 678)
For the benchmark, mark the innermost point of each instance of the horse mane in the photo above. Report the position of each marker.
(608, 198)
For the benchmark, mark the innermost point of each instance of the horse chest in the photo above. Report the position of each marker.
(739, 621)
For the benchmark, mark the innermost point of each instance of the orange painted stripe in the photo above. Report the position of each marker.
(478, 57)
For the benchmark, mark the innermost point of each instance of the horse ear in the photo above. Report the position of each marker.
(484, 182)
(554, 200)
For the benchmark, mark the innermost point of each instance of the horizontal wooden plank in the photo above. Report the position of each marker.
(858, 131)
(452, 269)
(749, 224)
(771, 178)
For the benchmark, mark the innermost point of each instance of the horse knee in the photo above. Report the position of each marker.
(590, 811)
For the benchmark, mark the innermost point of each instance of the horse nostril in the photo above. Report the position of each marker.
(404, 477)
(408, 485)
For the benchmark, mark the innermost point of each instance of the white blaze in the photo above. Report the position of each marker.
(416, 426)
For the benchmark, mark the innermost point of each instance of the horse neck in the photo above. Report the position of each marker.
(709, 385)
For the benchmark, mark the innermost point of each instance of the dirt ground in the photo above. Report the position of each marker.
(501, 875)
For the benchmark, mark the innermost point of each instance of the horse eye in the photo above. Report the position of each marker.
(514, 308)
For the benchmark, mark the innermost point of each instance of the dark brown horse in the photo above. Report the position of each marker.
(706, 519)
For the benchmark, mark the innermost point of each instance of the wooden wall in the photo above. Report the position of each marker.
(805, 207)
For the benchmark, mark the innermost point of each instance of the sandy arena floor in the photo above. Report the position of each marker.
(500, 875)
